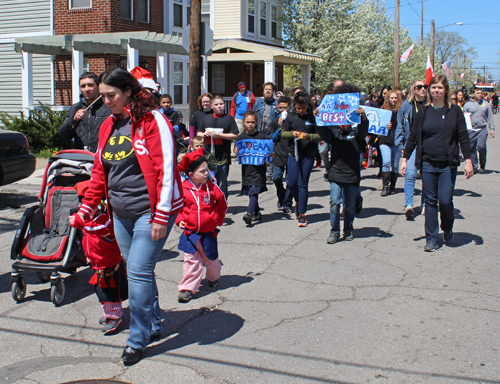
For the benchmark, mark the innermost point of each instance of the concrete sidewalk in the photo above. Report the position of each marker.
(290, 308)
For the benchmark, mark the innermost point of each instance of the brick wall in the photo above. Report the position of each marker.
(103, 17)
(97, 64)
(62, 80)
(238, 71)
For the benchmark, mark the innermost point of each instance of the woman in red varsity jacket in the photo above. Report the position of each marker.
(135, 169)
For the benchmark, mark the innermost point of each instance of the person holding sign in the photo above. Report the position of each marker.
(390, 153)
(435, 135)
(344, 174)
(299, 129)
(220, 141)
(253, 170)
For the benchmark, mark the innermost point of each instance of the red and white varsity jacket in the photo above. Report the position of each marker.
(153, 141)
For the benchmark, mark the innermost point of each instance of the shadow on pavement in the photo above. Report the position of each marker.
(375, 211)
(205, 328)
(366, 232)
(463, 192)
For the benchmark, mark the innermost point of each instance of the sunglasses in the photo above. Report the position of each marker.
(453, 98)
(420, 86)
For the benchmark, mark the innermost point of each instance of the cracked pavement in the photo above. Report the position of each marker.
(289, 308)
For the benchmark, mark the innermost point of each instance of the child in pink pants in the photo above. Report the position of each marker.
(204, 210)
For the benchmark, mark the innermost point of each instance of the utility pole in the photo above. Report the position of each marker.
(433, 32)
(421, 21)
(396, 43)
(463, 78)
(456, 70)
(194, 57)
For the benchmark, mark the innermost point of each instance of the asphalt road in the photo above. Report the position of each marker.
(289, 308)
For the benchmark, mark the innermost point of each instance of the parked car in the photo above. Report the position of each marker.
(16, 161)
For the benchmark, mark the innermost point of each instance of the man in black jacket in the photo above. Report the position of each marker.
(85, 117)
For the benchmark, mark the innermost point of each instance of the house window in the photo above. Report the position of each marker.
(218, 82)
(74, 4)
(178, 82)
(178, 13)
(251, 16)
(205, 12)
(180, 79)
(143, 11)
(126, 9)
(263, 17)
(181, 8)
(274, 21)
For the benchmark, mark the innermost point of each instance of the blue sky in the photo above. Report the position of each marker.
(481, 24)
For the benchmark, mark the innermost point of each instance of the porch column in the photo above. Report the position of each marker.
(204, 75)
(162, 71)
(76, 71)
(306, 77)
(132, 58)
(269, 71)
(27, 81)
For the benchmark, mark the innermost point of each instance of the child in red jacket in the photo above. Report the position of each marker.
(109, 280)
(204, 210)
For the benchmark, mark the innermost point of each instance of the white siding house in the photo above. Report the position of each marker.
(22, 19)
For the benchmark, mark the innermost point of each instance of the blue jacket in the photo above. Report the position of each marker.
(403, 128)
(259, 109)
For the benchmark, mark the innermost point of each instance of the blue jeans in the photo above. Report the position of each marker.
(298, 179)
(284, 196)
(478, 144)
(390, 158)
(438, 182)
(141, 253)
(221, 173)
(350, 192)
(410, 178)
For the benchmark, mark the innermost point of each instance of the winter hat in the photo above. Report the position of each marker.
(189, 158)
(241, 84)
(144, 77)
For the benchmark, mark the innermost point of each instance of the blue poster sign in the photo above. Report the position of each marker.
(254, 151)
(338, 109)
(378, 119)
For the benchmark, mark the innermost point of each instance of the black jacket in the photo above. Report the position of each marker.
(86, 131)
(305, 123)
(346, 148)
(280, 146)
(456, 132)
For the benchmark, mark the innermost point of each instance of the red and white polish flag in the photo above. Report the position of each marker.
(406, 55)
(461, 76)
(429, 73)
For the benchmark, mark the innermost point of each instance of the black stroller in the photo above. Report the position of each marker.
(45, 242)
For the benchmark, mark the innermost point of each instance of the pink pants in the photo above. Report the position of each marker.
(193, 269)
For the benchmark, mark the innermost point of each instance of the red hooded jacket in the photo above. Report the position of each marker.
(204, 207)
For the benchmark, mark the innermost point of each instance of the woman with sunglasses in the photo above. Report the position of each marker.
(436, 133)
(406, 116)
(373, 100)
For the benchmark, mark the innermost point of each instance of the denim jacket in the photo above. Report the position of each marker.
(259, 109)
(403, 128)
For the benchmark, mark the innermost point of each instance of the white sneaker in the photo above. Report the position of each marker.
(422, 210)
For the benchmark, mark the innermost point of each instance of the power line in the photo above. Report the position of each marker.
(413, 9)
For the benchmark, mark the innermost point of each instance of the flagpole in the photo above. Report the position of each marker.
(456, 66)
(396, 44)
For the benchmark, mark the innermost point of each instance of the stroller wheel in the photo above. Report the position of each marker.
(19, 289)
(57, 293)
(44, 276)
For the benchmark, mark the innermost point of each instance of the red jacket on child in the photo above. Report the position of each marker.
(99, 243)
(204, 207)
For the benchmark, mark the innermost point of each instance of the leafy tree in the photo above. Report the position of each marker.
(355, 40)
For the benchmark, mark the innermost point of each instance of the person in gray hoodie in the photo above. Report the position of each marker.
(481, 117)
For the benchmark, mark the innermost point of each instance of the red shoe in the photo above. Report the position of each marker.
(318, 163)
